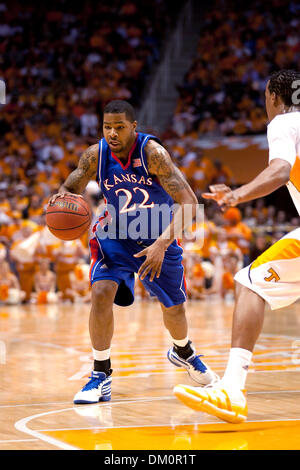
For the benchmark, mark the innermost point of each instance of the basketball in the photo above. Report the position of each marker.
(68, 217)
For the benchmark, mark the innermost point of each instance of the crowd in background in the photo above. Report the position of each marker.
(62, 64)
(223, 91)
(36, 267)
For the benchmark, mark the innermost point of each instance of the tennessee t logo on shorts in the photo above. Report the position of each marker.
(273, 275)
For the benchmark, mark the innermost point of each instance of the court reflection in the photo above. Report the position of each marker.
(248, 436)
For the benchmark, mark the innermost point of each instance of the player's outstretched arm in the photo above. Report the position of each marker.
(271, 178)
(79, 178)
(174, 183)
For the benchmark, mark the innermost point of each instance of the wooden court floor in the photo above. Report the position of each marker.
(45, 358)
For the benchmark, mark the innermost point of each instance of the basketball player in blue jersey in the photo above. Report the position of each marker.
(134, 172)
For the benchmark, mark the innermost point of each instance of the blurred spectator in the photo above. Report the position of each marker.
(258, 246)
(67, 256)
(249, 218)
(221, 174)
(22, 252)
(238, 232)
(270, 216)
(44, 285)
(239, 46)
(10, 292)
(61, 66)
(223, 246)
(199, 171)
(80, 291)
(89, 123)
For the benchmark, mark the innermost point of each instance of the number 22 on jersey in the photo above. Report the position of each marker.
(128, 194)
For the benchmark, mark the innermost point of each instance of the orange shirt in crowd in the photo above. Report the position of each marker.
(207, 231)
(223, 248)
(228, 281)
(5, 206)
(199, 173)
(243, 232)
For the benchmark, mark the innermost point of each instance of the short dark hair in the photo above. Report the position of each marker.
(281, 82)
(120, 106)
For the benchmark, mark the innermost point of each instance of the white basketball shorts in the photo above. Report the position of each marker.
(275, 274)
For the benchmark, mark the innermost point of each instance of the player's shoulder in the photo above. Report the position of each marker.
(284, 121)
(151, 141)
(156, 155)
(90, 153)
(94, 148)
(153, 144)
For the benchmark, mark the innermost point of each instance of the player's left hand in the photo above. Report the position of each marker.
(222, 194)
(155, 254)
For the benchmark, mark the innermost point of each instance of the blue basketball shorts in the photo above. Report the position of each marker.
(114, 260)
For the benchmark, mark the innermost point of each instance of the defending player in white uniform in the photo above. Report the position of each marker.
(274, 277)
(275, 274)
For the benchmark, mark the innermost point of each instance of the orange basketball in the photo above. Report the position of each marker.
(68, 217)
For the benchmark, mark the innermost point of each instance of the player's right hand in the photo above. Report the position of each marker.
(61, 195)
(56, 196)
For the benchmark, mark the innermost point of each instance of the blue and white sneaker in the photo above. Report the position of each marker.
(197, 370)
(97, 389)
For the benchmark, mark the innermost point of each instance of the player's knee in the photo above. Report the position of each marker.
(176, 310)
(102, 295)
(243, 291)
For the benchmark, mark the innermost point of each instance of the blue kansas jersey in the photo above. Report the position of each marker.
(133, 192)
(134, 195)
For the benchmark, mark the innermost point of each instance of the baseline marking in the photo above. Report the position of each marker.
(171, 425)
(21, 425)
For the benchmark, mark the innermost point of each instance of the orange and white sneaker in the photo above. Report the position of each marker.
(216, 400)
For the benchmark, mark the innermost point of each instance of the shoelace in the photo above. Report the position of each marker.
(198, 364)
(93, 383)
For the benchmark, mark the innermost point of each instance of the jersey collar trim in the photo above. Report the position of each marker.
(129, 155)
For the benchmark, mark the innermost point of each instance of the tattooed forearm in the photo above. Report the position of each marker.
(171, 179)
(74, 183)
(86, 170)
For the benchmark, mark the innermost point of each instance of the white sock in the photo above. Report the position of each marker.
(181, 342)
(101, 355)
(237, 368)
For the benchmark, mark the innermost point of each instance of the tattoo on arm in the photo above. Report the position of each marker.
(171, 179)
(86, 170)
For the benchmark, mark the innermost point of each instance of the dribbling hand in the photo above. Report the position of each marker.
(61, 195)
